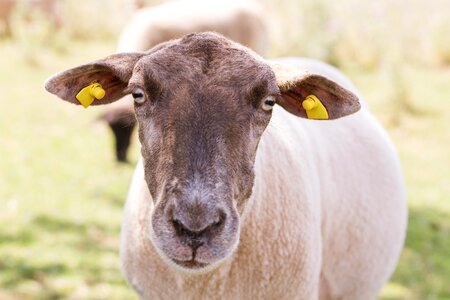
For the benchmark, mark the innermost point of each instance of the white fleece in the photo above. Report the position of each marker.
(326, 220)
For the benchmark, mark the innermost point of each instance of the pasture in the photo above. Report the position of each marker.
(62, 193)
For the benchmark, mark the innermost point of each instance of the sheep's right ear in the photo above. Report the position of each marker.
(112, 73)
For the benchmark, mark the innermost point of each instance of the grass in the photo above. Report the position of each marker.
(61, 192)
(423, 140)
(62, 195)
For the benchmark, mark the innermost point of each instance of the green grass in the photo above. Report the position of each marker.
(420, 129)
(62, 194)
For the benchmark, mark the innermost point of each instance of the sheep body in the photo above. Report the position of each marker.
(326, 219)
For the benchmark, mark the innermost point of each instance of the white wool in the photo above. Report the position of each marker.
(327, 217)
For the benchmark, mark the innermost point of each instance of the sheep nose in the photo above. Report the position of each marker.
(196, 234)
(193, 238)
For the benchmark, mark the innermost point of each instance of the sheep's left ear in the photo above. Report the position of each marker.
(297, 87)
(110, 74)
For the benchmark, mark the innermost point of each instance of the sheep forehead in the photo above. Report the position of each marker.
(206, 58)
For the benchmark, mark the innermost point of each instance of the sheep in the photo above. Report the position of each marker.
(238, 194)
(242, 21)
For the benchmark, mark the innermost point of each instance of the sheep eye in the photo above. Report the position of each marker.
(138, 95)
(269, 102)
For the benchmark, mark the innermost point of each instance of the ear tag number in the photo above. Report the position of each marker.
(90, 93)
(314, 108)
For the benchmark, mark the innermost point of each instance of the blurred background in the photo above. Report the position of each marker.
(62, 192)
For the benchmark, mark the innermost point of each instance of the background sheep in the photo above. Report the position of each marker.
(242, 21)
(318, 211)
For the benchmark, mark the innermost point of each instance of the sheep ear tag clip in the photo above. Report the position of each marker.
(314, 108)
(90, 93)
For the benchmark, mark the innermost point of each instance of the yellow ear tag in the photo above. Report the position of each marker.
(314, 108)
(90, 93)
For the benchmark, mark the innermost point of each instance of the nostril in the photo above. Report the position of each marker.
(219, 221)
(183, 230)
(180, 228)
(216, 224)
(192, 238)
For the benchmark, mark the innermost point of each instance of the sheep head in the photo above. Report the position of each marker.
(202, 104)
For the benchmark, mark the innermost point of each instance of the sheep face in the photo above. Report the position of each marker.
(202, 104)
(199, 125)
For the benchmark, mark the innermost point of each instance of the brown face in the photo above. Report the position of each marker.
(199, 125)
(202, 104)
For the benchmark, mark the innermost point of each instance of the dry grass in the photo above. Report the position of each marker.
(362, 33)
